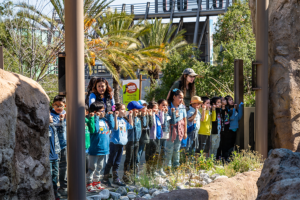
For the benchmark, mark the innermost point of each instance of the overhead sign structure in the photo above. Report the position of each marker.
(131, 91)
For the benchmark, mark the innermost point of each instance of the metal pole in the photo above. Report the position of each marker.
(197, 23)
(207, 4)
(180, 24)
(171, 17)
(1, 58)
(202, 33)
(207, 47)
(75, 98)
(156, 6)
(262, 96)
(141, 79)
(123, 7)
(147, 10)
(238, 98)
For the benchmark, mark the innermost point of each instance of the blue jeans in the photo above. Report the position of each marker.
(54, 165)
(114, 160)
(172, 151)
(141, 151)
(63, 169)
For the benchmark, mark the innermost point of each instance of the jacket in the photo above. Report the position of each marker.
(62, 134)
(100, 137)
(177, 123)
(145, 124)
(134, 134)
(120, 136)
(155, 127)
(54, 142)
(165, 124)
(206, 124)
(235, 117)
(108, 103)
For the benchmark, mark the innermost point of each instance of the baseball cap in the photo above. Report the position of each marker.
(189, 71)
(134, 105)
(142, 102)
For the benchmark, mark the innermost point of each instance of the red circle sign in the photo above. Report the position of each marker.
(131, 88)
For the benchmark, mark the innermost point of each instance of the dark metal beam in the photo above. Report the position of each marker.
(132, 9)
(156, 6)
(226, 5)
(202, 33)
(197, 23)
(180, 24)
(123, 7)
(207, 45)
(147, 10)
(171, 14)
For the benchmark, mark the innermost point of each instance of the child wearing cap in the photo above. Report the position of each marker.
(134, 136)
(194, 118)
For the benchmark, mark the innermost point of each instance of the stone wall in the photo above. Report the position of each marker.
(24, 140)
(284, 72)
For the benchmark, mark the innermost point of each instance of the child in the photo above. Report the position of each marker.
(225, 124)
(118, 139)
(152, 148)
(143, 103)
(216, 126)
(194, 117)
(99, 143)
(178, 128)
(59, 104)
(235, 115)
(165, 121)
(87, 137)
(54, 151)
(134, 136)
(205, 125)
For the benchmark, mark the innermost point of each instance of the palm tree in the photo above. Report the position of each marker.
(162, 35)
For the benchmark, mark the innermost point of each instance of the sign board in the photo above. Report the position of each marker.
(131, 91)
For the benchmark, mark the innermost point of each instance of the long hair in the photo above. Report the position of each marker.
(227, 98)
(183, 80)
(107, 91)
(152, 104)
(172, 94)
(91, 84)
(118, 107)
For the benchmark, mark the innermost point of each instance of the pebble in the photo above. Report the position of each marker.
(207, 180)
(124, 198)
(131, 188)
(151, 191)
(143, 191)
(147, 196)
(221, 177)
(104, 194)
(156, 193)
(115, 195)
(164, 190)
(203, 175)
(131, 195)
(180, 187)
(94, 197)
(187, 183)
(203, 183)
(122, 191)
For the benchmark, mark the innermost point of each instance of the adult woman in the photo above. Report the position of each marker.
(186, 83)
(89, 90)
(102, 92)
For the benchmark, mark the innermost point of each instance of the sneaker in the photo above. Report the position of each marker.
(106, 182)
(162, 173)
(126, 179)
(90, 187)
(118, 182)
(97, 185)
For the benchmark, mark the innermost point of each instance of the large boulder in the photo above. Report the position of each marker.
(284, 72)
(24, 139)
(241, 186)
(280, 176)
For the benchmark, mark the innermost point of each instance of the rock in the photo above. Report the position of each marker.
(192, 184)
(104, 194)
(180, 187)
(164, 190)
(94, 197)
(203, 175)
(115, 195)
(131, 188)
(214, 176)
(143, 191)
(207, 180)
(201, 171)
(280, 176)
(242, 186)
(219, 177)
(122, 191)
(24, 139)
(187, 183)
(131, 195)
(124, 198)
(284, 81)
(156, 193)
(147, 196)
(151, 191)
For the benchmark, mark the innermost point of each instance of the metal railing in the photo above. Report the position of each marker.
(165, 6)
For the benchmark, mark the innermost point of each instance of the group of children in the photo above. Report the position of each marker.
(161, 129)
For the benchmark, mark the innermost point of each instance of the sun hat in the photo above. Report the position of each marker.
(196, 99)
(134, 105)
(189, 71)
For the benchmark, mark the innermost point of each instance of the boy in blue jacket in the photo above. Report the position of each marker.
(99, 146)
(58, 112)
(134, 136)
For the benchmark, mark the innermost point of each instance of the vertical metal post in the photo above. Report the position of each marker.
(180, 24)
(262, 96)
(156, 6)
(181, 5)
(1, 58)
(226, 5)
(123, 7)
(147, 10)
(239, 97)
(132, 9)
(171, 16)
(207, 47)
(75, 98)
(197, 23)
(202, 33)
(141, 80)
(207, 4)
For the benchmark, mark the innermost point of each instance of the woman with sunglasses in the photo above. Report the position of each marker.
(102, 92)
(186, 84)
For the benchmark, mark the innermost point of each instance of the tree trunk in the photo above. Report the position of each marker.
(116, 87)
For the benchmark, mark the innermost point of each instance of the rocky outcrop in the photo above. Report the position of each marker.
(242, 186)
(280, 176)
(284, 72)
(24, 140)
